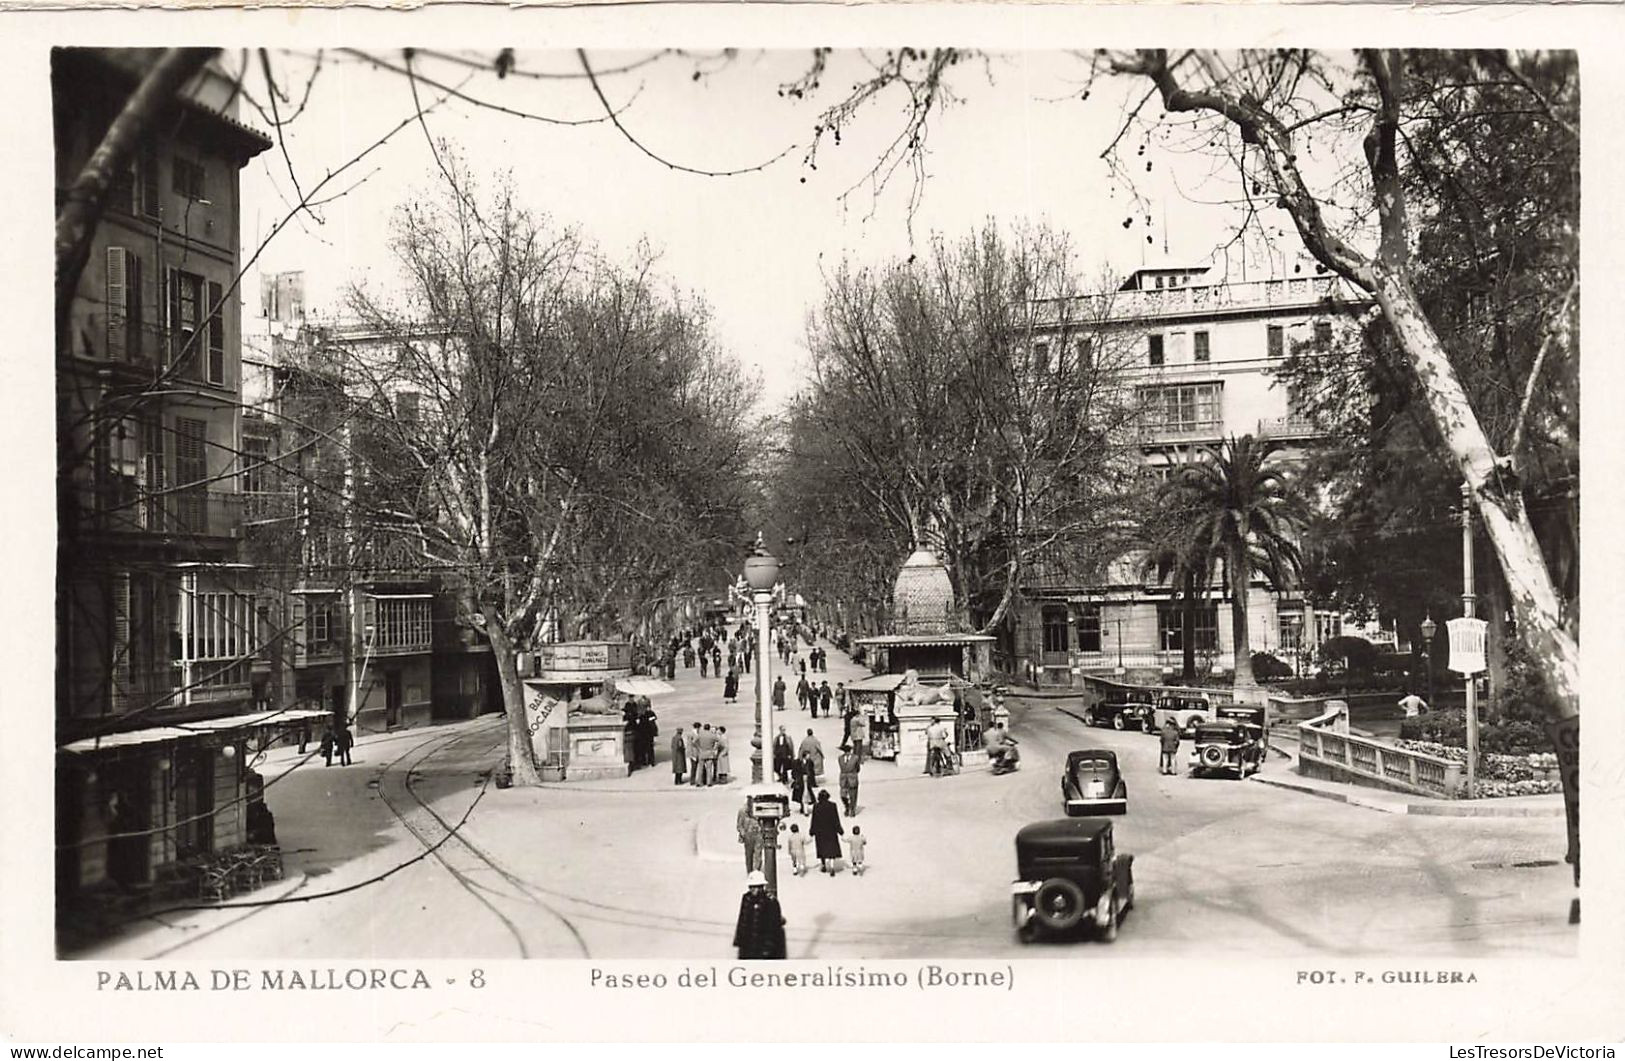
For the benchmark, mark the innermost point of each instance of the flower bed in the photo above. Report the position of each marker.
(1500, 775)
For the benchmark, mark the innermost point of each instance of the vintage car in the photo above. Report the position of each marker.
(1069, 877)
(1092, 784)
(1228, 746)
(1184, 711)
(1120, 709)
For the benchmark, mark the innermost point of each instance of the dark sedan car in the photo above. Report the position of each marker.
(1069, 877)
(1121, 710)
(1092, 784)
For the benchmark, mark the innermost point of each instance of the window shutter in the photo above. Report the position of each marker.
(172, 316)
(217, 333)
(135, 333)
(117, 302)
(121, 662)
(298, 633)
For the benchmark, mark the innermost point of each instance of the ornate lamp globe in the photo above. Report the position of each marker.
(761, 570)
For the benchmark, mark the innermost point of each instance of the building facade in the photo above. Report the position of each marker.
(371, 628)
(1203, 355)
(158, 630)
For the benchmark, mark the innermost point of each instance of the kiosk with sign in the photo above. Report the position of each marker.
(576, 729)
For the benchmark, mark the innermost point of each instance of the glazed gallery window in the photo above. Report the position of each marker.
(1054, 625)
(1171, 626)
(1187, 407)
(403, 622)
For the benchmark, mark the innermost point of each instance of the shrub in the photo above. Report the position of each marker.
(1356, 654)
(1268, 667)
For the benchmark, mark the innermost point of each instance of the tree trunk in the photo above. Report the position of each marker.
(1236, 568)
(86, 198)
(521, 757)
(1495, 492)
(1187, 628)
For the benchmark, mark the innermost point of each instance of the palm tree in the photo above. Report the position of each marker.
(1239, 507)
(1171, 554)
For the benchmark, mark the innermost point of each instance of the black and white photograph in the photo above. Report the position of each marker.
(872, 510)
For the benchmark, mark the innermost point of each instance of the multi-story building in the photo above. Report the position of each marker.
(1203, 360)
(371, 629)
(158, 630)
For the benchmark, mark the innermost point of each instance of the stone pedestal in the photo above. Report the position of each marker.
(912, 720)
(598, 748)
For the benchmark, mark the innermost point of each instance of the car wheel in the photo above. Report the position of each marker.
(1119, 722)
(1058, 905)
(1212, 756)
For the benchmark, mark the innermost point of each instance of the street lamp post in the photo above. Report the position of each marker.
(1429, 628)
(762, 572)
(1467, 600)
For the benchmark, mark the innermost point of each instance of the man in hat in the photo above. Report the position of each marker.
(759, 932)
(750, 835)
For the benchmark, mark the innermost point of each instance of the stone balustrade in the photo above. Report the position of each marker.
(1325, 750)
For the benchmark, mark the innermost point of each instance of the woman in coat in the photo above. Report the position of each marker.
(759, 932)
(826, 831)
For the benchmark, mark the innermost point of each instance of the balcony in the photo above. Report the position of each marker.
(1288, 427)
(180, 513)
(1187, 431)
(1205, 300)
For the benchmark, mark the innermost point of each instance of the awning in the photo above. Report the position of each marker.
(925, 640)
(880, 683)
(643, 686)
(192, 730)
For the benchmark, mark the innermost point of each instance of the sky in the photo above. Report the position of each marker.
(1017, 145)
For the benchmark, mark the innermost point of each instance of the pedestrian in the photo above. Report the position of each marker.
(1410, 703)
(744, 658)
(730, 686)
(723, 765)
(345, 742)
(802, 691)
(826, 833)
(797, 843)
(801, 664)
(705, 662)
(811, 748)
(857, 842)
(849, 783)
(784, 753)
(1170, 746)
(688, 657)
(825, 694)
(842, 701)
(304, 736)
(778, 693)
(936, 748)
(328, 744)
(691, 752)
(750, 835)
(759, 933)
(706, 742)
(800, 787)
(716, 661)
(679, 755)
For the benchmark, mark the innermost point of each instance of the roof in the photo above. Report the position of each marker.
(642, 686)
(1085, 754)
(1063, 829)
(190, 730)
(883, 683)
(924, 640)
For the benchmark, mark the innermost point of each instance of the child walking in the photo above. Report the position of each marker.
(856, 842)
(798, 850)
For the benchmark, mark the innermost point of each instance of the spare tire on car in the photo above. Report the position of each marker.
(1059, 904)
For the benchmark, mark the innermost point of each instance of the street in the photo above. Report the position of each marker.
(638, 868)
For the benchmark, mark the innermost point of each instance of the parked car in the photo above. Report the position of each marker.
(1120, 710)
(1092, 784)
(1186, 711)
(1228, 746)
(1069, 877)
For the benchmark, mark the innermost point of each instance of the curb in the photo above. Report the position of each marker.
(1398, 804)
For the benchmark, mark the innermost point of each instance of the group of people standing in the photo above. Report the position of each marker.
(701, 754)
(820, 696)
(642, 727)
